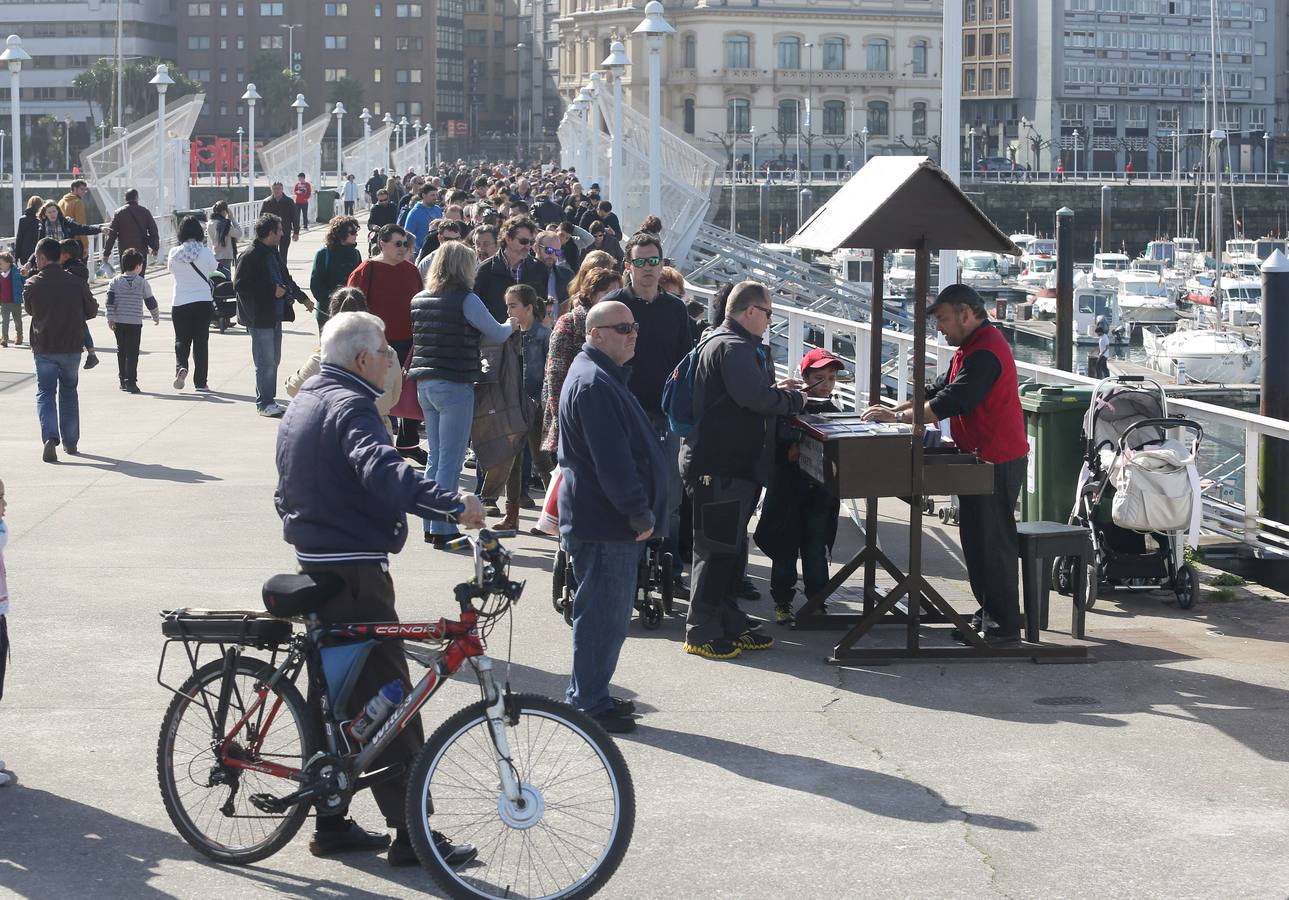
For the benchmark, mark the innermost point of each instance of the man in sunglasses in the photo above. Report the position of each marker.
(513, 264)
(726, 459)
(550, 251)
(613, 496)
(665, 339)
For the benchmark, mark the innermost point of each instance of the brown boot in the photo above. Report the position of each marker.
(511, 521)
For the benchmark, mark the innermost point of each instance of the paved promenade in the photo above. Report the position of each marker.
(1162, 769)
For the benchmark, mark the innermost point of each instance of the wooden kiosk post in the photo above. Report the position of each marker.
(902, 202)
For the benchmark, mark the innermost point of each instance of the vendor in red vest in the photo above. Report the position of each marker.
(979, 397)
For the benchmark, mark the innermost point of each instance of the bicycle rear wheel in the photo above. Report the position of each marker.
(208, 802)
(578, 815)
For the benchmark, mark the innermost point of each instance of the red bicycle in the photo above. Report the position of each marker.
(536, 785)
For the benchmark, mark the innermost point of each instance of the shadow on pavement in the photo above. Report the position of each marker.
(102, 855)
(863, 789)
(146, 471)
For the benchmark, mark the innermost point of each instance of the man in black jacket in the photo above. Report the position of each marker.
(343, 494)
(512, 265)
(726, 460)
(374, 184)
(265, 290)
(282, 206)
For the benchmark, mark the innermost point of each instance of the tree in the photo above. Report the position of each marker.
(348, 91)
(97, 85)
(278, 86)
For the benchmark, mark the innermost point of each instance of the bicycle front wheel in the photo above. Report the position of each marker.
(572, 829)
(208, 801)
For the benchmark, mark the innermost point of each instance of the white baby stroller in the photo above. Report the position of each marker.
(1138, 493)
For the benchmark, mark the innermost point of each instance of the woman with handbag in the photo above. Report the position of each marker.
(192, 307)
(449, 325)
(333, 264)
(223, 234)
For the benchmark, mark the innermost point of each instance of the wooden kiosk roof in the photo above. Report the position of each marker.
(901, 201)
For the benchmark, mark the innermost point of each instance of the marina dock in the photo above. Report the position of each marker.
(1234, 393)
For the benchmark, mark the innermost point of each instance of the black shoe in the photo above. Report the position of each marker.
(976, 622)
(71, 451)
(490, 508)
(679, 589)
(401, 854)
(527, 502)
(622, 706)
(997, 637)
(132, 388)
(615, 723)
(438, 540)
(123, 387)
(51, 451)
(347, 840)
(747, 591)
(455, 855)
(204, 388)
(416, 454)
(91, 361)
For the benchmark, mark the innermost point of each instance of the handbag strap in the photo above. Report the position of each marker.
(201, 274)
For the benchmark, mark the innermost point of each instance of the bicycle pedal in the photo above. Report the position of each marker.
(267, 803)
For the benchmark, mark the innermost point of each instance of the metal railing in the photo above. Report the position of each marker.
(838, 176)
(1231, 513)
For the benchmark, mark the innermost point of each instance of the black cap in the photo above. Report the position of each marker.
(960, 295)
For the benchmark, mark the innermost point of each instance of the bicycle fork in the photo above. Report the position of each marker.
(496, 712)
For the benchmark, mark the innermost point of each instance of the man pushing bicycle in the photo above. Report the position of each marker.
(343, 494)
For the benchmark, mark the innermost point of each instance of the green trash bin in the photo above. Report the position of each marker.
(326, 205)
(1054, 425)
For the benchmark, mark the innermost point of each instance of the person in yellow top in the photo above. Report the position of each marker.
(73, 206)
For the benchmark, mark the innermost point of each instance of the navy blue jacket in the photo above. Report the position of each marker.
(343, 491)
(615, 479)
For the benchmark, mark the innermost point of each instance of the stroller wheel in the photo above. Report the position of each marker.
(1186, 586)
(667, 582)
(650, 613)
(1061, 576)
(558, 580)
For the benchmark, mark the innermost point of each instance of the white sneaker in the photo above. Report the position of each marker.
(272, 411)
(180, 375)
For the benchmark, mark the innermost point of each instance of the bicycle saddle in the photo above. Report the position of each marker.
(295, 595)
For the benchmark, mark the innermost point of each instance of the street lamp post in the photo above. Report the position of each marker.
(67, 143)
(863, 136)
(161, 81)
(971, 159)
(250, 97)
(1077, 138)
(290, 44)
(616, 62)
(592, 96)
(365, 117)
(433, 148)
(751, 139)
(1266, 155)
(15, 56)
(388, 122)
(402, 132)
(2, 156)
(300, 105)
(339, 112)
(519, 97)
(240, 132)
(655, 28)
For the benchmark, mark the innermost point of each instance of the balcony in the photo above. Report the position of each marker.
(841, 77)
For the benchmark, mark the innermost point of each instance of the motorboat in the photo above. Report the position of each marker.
(1143, 299)
(1093, 306)
(1209, 355)
(900, 270)
(1035, 270)
(1022, 241)
(1106, 268)
(1160, 252)
(1246, 267)
(1268, 245)
(1189, 254)
(1237, 247)
(1241, 301)
(980, 270)
(853, 264)
(1198, 290)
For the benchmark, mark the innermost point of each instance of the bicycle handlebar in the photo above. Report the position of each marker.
(486, 549)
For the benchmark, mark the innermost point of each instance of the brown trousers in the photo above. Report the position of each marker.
(369, 597)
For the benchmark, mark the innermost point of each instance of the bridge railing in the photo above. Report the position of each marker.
(838, 176)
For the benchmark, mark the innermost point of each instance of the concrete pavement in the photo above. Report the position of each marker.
(1159, 770)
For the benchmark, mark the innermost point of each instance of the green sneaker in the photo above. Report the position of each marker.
(753, 640)
(719, 649)
(783, 615)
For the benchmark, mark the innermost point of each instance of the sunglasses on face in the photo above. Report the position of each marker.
(621, 327)
(553, 251)
(523, 242)
(641, 261)
(397, 243)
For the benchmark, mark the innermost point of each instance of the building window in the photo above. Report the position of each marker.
(879, 55)
(1004, 43)
(689, 52)
(474, 37)
(834, 53)
(198, 9)
(334, 74)
(1004, 10)
(738, 52)
(270, 42)
(879, 117)
(375, 75)
(375, 41)
(789, 53)
(919, 119)
(986, 10)
(1004, 80)
(689, 115)
(969, 11)
(202, 75)
(919, 57)
(198, 42)
(986, 81)
(409, 76)
(335, 42)
(335, 9)
(987, 45)
(407, 10)
(969, 80)
(834, 117)
(789, 113)
(969, 46)
(271, 9)
(738, 117)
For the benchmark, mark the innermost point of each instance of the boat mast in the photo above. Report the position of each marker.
(1216, 135)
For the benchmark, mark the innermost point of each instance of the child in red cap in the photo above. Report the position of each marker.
(799, 517)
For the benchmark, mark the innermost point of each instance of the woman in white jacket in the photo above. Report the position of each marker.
(190, 266)
(222, 233)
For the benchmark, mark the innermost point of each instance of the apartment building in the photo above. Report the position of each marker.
(1101, 83)
(764, 73)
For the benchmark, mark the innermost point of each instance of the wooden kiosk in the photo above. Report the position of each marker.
(898, 202)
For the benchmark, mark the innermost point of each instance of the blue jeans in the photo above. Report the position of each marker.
(814, 562)
(449, 413)
(266, 351)
(58, 372)
(606, 573)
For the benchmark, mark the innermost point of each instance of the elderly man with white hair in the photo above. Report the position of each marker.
(613, 496)
(343, 494)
